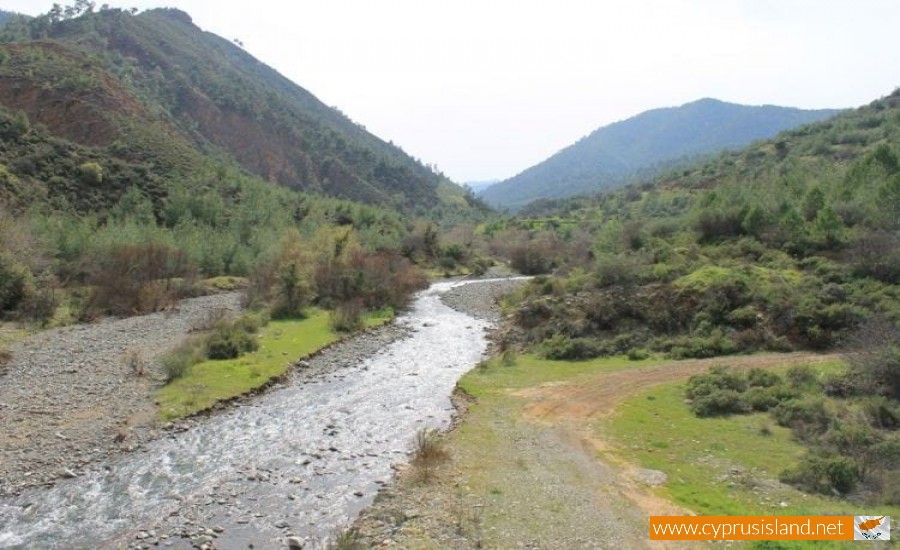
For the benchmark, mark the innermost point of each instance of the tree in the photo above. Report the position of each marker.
(829, 227)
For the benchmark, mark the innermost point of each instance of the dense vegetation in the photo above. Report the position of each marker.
(123, 200)
(645, 145)
(197, 98)
(848, 421)
(789, 244)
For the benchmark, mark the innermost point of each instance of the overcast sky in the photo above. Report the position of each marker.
(486, 88)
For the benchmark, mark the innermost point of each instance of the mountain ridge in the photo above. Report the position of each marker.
(652, 140)
(179, 88)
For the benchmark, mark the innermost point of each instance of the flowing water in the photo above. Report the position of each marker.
(302, 460)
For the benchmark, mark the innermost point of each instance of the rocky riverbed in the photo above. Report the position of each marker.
(344, 461)
(80, 394)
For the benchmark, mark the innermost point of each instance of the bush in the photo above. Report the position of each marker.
(719, 402)
(230, 344)
(638, 354)
(347, 317)
(178, 362)
(805, 416)
(801, 376)
(560, 347)
(132, 279)
(91, 173)
(822, 475)
(15, 281)
(718, 378)
(762, 378)
(429, 451)
(760, 399)
(698, 347)
(231, 339)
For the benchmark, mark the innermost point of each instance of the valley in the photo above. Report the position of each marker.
(231, 316)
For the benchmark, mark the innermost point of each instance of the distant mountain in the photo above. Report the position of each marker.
(478, 187)
(646, 144)
(154, 89)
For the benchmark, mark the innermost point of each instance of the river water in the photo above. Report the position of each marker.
(302, 460)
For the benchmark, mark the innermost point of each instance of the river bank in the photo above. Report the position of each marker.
(234, 460)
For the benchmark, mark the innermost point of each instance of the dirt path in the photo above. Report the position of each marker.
(528, 469)
(598, 395)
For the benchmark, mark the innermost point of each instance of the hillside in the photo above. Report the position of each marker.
(790, 243)
(152, 87)
(646, 144)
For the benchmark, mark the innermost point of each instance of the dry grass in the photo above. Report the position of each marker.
(429, 452)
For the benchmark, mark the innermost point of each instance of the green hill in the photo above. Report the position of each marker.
(646, 144)
(141, 157)
(154, 88)
(791, 243)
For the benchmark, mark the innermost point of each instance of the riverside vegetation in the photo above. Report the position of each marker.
(792, 244)
(788, 245)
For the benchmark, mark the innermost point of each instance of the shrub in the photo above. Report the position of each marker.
(805, 416)
(718, 378)
(874, 361)
(822, 475)
(130, 279)
(429, 451)
(801, 376)
(719, 402)
(699, 347)
(15, 280)
(760, 399)
(638, 354)
(178, 362)
(561, 347)
(230, 343)
(762, 378)
(91, 173)
(347, 317)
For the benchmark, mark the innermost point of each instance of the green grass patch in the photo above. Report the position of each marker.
(720, 465)
(281, 343)
(530, 370)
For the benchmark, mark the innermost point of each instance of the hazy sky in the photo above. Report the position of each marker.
(487, 88)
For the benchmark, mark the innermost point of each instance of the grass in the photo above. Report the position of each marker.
(502, 473)
(492, 378)
(281, 343)
(720, 465)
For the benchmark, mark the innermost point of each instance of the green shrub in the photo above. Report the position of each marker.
(638, 354)
(760, 399)
(347, 317)
(823, 475)
(801, 376)
(762, 378)
(231, 339)
(178, 362)
(230, 344)
(561, 347)
(805, 416)
(698, 347)
(91, 173)
(718, 403)
(718, 378)
(15, 281)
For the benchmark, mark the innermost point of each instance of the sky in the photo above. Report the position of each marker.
(484, 89)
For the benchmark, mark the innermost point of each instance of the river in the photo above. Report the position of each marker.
(301, 460)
